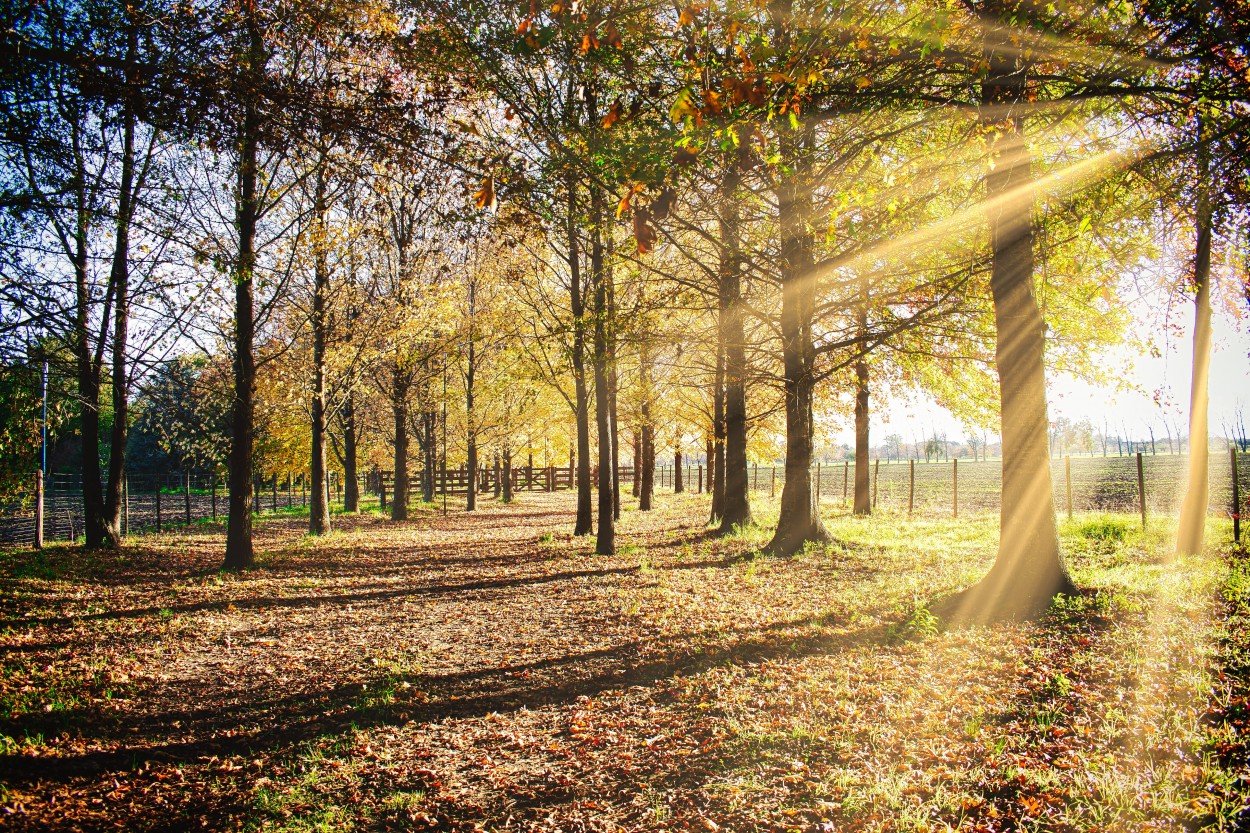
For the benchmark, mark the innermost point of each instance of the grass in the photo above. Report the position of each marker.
(450, 673)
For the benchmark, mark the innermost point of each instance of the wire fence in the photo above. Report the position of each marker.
(151, 503)
(1153, 484)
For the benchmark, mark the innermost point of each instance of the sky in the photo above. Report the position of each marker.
(1129, 407)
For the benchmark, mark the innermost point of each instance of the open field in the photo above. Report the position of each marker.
(484, 672)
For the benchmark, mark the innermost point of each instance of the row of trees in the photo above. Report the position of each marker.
(586, 223)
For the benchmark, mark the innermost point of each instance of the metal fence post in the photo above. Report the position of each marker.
(186, 496)
(214, 487)
(772, 488)
(1141, 490)
(818, 483)
(39, 509)
(846, 478)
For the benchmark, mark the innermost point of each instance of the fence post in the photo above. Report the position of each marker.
(158, 504)
(876, 467)
(756, 486)
(818, 484)
(1232, 456)
(1141, 490)
(700, 478)
(911, 485)
(772, 487)
(846, 478)
(955, 488)
(290, 490)
(214, 486)
(125, 506)
(381, 493)
(39, 509)
(1067, 477)
(186, 497)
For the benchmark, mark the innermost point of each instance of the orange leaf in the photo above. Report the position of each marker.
(612, 35)
(688, 14)
(485, 197)
(613, 115)
(644, 233)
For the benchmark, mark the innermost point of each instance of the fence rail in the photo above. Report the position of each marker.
(1082, 484)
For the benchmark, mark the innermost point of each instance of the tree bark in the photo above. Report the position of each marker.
(678, 485)
(636, 486)
(605, 538)
(351, 489)
(863, 499)
(1028, 571)
(319, 507)
(470, 500)
(646, 461)
(735, 500)
(429, 456)
(119, 277)
(799, 520)
(1192, 528)
(585, 517)
(399, 411)
(718, 435)
(239, 552)
(507, 475)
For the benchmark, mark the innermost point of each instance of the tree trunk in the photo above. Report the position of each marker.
(710, 454)
(239, 553)
(605, 538)
(636, 487)
(644, 465)
(585, 518)
(88, 378)
(1192, 528)
(429, 460)
(1028, 571)
(319, 508)
(507, 475)
(735, 500)
(470, 500)
(799, 519)
(119, 277)
(351, 490)
(678, 485)
(613, 377)
(863, 499)
(718, 435)
(399, 410)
